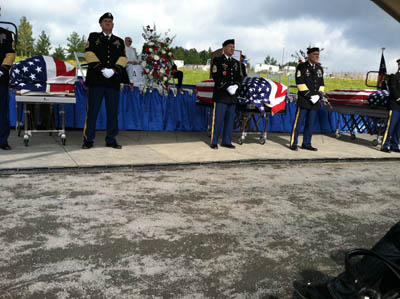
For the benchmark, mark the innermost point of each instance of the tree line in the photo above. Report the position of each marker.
(27, 46)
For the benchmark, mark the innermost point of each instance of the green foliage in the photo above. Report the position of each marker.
(191, 56)
(59, 53)
(25, 39)
(75, 44)
(43, 45)
(270, 60)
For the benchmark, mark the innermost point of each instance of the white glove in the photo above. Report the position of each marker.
(314, 98)
(232, 89)
(1, 73)
(108, 73)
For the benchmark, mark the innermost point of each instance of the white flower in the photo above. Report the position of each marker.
(150, 49)
(156, 57)
(150, 43)
(169, 53)
(165, 78)
(163, 52)
(162, 71)
(143, 64)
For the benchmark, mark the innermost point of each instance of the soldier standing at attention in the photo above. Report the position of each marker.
(225, 72)
(105, 54)
(392, 132)
(310, 83)
(7, 57)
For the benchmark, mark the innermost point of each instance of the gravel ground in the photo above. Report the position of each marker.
(240, 231)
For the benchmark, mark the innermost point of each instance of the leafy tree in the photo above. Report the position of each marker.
(75, 44)
(270, 60)
(59, 53)
(25, 39)
(43, 45)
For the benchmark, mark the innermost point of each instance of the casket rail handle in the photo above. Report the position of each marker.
(366, 79)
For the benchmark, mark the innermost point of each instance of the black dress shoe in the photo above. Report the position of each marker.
(228, 146)
(87, 145)
(114, 145)
(385, 150)
(309, 148)
(312, 291)
(5, 147)
(293, 147)
(396, 150)
(214, 146)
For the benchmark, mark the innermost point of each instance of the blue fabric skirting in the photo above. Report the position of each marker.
(150, 111)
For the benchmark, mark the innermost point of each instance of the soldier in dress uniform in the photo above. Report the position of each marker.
(7, 57)
(105, 54)
(225, 72)
(310, 84)
(390, 140)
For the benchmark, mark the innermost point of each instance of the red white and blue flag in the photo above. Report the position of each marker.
(43, 74)
(257, 91)
(263, 92)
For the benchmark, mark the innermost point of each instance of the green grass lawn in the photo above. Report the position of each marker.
(195, 76)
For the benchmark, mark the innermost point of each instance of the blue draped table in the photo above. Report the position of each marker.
(150, 111)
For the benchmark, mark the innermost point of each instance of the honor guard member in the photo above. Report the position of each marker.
(7, 57)
(310, 84)
(390, 140)
(225, 72)
(105, 54)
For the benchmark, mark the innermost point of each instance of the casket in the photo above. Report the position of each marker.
(355, 97)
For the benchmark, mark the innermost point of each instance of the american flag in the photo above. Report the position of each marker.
(205, 91)
(379, 98)
(43, 74)
(263, 92)
(256, 91)
(356, 97)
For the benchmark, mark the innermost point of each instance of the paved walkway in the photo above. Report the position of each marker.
(166, 148)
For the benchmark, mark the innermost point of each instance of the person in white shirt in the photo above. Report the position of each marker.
(133, 68)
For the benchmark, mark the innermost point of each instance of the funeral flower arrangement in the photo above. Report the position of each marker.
(157, 56)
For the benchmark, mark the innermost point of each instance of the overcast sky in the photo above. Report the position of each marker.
(352, 32)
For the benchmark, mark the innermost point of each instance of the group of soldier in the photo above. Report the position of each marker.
(107, 61)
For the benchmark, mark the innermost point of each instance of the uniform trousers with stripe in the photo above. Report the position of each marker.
(224, 115)
(392, 132)
(309, 115)
(95, 98)
(4, 116)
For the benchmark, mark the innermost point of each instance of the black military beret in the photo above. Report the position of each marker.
(311, 50)
(228, 42)
(106, 15)
(398, 60)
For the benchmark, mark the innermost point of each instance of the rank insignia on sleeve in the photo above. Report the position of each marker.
(298, 73)
(214, 69)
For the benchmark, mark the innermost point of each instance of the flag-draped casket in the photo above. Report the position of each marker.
(260, 92)
(43, 75)
(358, 97)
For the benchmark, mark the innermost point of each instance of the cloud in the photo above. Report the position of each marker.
(352, 32)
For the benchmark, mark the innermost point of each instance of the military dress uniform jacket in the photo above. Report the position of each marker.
(103, 52)
(394, 89)
(7, 55)
(225, 74)
(309, 81)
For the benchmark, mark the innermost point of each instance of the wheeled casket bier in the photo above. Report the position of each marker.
(258, 98)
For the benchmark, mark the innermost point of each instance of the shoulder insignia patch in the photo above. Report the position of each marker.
(214, 69)
(298, 74)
